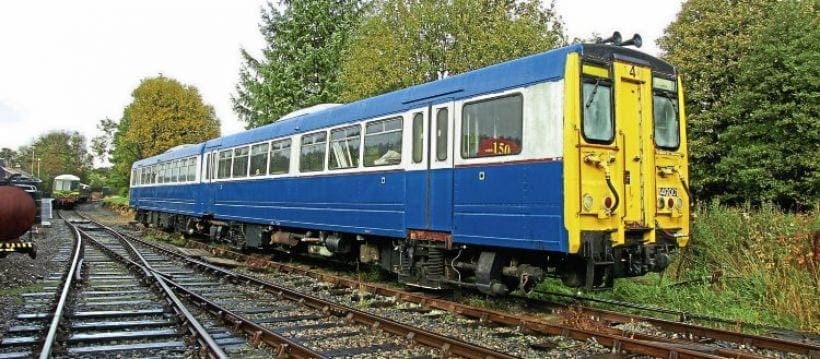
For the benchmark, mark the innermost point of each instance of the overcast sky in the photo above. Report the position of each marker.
(65, 65)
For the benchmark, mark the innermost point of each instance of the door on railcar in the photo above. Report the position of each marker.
(633, 114)
(430, 172)
(208, 188)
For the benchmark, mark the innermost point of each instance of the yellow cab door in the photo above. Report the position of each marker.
(633, 116)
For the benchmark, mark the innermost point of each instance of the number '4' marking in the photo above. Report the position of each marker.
(632, 70)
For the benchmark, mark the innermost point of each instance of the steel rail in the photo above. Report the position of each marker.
(755, 340)
(207, 342)
(618, 343)
(284, 347)
(71, 277)
(758, 341)
(448, 345)
(682, 315)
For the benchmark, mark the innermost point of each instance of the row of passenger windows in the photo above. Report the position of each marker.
(174, 171)
(490, 127)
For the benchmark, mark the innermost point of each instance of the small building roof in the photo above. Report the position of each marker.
(67, 178)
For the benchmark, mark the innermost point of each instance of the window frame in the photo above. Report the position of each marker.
(586, 79)
(288, 150)
(323, 144)
(358, 153)
(673, 97)
(266, 153)
(218, 161)
(417, 138)
(463, 142)
(400, 129)
(247, 160)
(442, 147)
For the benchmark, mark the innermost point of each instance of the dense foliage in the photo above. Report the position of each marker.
(751, 72)
(300, 65)
(403, 43)
(163, 113)
(56, 153)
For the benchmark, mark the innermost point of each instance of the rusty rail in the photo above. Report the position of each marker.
(448, 345)
(646, 347)
(758, 341)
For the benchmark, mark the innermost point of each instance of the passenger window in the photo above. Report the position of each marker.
(441, 134)
(191, 169)
(344, 147)
(312, 157)
(492, 127)
(224, 164)
(153, 174)
(597, 125)
(179, 170)
(280, 157)
(382, 142)
(174, 171)
(208, 166)
(418, 137)
(259, 159)
(667, 134)
(166, 176)
(240, 162)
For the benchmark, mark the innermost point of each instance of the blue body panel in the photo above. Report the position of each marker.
(181, 198)
(510, 205)
(513, 206)
(354, 203)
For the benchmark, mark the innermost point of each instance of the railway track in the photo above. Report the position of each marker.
(294, 324)
(682, 339)
(24, 335)
(113, 307)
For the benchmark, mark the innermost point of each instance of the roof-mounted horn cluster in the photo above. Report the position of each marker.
(616, 40)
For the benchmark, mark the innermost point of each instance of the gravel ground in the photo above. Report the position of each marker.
(20, 274)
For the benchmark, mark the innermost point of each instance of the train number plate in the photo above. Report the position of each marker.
(669, 191)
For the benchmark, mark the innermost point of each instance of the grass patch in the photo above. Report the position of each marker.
(743, 264)
(116, 200)
(160, 236)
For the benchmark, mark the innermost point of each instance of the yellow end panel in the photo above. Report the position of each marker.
(596, 71)
(672, 171)
(572, 127)
(641, 174)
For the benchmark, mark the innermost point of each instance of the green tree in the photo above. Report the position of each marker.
(56, 153)
(706, 42)
(9, 156)
(403, 43)
(300, 65)
(163, 113)
(773, 128)
(750, 72)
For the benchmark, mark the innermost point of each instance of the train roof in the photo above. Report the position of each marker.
(175, 152)
(545, 66)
